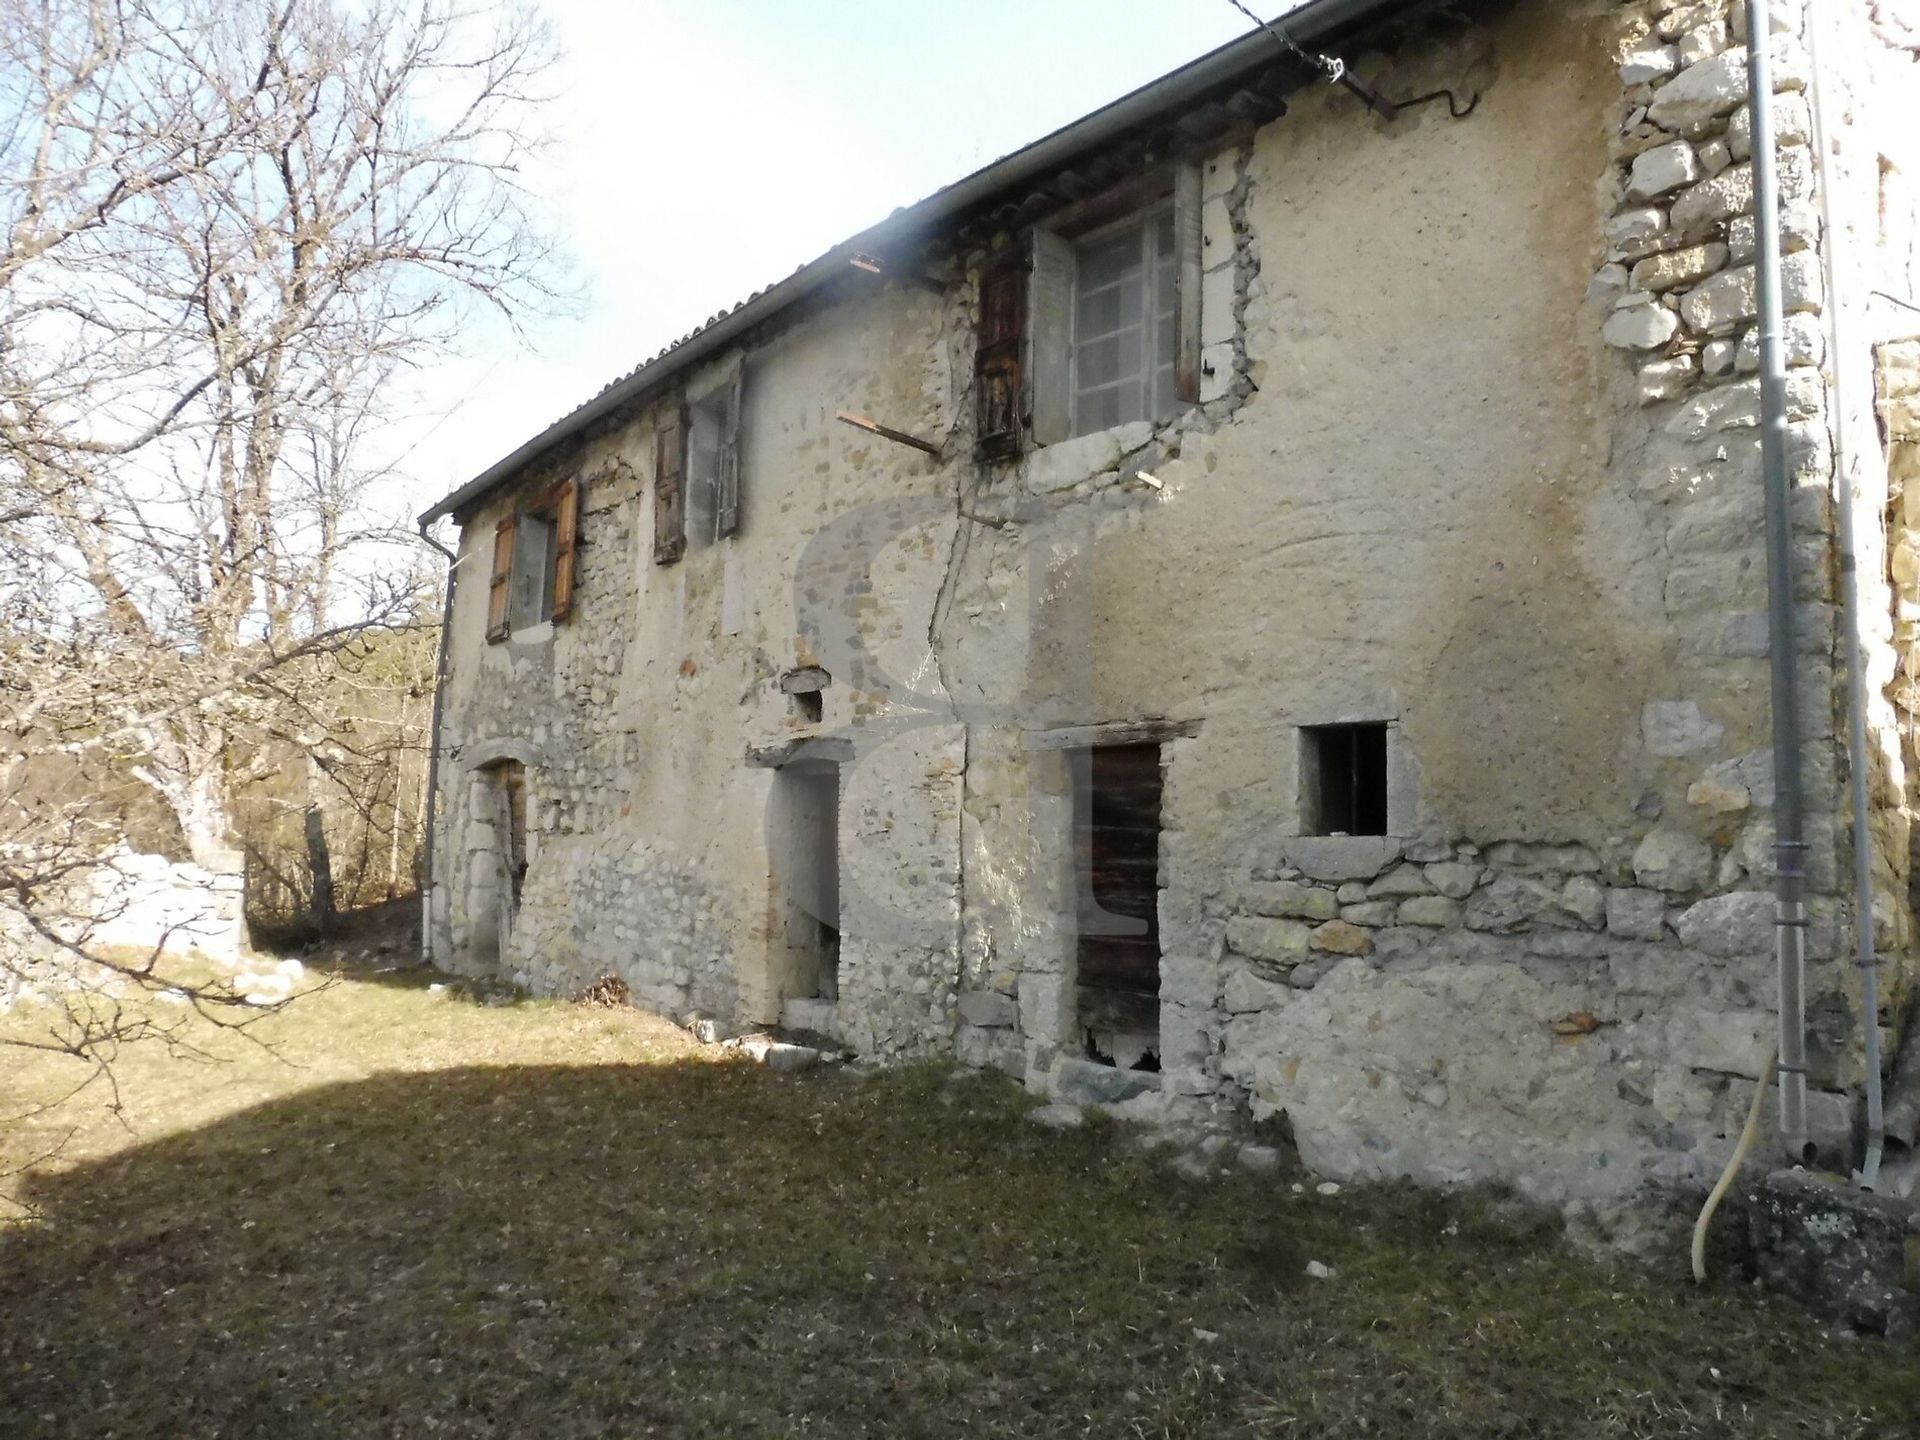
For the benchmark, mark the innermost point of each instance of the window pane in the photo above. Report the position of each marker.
(1101, 312)
(1097, 410)
(1101, 362)
(1110, 261)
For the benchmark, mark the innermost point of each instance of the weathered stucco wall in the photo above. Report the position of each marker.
(1476, 457)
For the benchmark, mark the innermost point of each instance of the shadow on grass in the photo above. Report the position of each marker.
(698, 1249)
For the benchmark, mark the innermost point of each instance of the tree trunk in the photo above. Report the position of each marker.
(320, 910)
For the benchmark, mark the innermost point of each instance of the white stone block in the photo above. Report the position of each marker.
(1216, 233)
(1672, 861)
(1640, 327)
(1647, 63)
(1701, 42)
(1678, 267)
(1216, 305)
(1216, 371)
(1635, 226)
(1662, 169)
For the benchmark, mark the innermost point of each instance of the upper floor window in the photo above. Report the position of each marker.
(533, 555)
(696, 467)
(1125, 324)
(1094, 322)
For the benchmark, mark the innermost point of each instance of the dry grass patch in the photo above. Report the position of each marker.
(429, 1216)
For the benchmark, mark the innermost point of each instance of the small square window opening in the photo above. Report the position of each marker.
(1343, 779)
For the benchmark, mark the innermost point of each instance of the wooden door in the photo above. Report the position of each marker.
(1118, 854)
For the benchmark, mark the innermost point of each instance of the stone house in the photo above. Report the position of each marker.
(1253, 605)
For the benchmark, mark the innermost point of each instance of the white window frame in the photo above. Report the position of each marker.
(1050, 346)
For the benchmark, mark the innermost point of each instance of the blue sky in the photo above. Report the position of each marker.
(703, 150)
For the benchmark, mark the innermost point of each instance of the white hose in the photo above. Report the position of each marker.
(1745, 1143)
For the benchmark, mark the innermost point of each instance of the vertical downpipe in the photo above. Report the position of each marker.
(1790, 909)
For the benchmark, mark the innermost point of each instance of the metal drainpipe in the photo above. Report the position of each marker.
(1841, 354)
(1790, 910)
(433, 742)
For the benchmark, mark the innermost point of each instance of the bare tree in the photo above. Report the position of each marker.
(228, 229)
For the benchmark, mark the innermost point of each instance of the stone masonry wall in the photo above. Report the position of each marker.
(1523, 530)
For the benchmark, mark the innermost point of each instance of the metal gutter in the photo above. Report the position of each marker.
(1312, 24)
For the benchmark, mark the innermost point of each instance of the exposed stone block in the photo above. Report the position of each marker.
(1369, 912)
(1662, 169)
(1635, 914)
(1677, 20)
(1434, 911)
(1636, 226)
(1290, 897)
(1343, 857)
(1268, 939)
(1703, 91)
(1337, 937)
(1454, 878)
(1081, 1082)
(1640, 327)
(1678, 267)
(1247, 993)
(1735, 924)
(1718, 797)
(1400, 882)
(1701, 42)
(1508, 903)
(1715, 86)
(1647, 63)
(1673, 861)
(1585, 899)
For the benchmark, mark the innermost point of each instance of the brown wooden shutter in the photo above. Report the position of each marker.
(727, 501)
(566, 524)
(497, 591)
(669, 491)
(999, 395)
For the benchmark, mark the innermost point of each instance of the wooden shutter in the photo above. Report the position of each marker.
(1049, 362)
(566, 524)
(498, 625)
(998, 394)
(1187, 280)
(727, 498)
(669, 490)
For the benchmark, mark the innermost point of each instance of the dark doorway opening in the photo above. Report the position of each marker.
(1117, 859)
(806, 857)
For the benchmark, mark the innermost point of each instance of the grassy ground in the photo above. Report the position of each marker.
(429, 1217)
